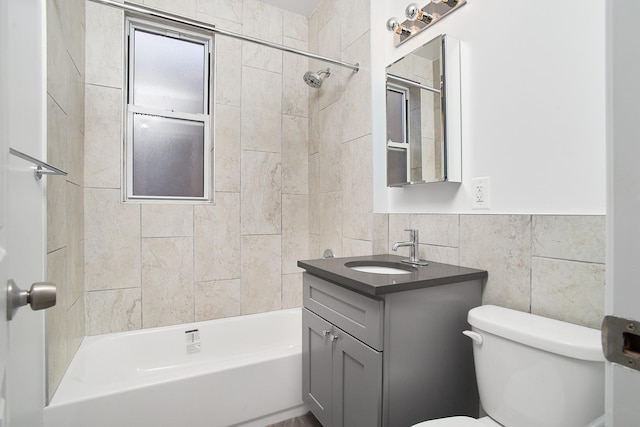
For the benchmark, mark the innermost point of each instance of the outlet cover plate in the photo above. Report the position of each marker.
(481, 193)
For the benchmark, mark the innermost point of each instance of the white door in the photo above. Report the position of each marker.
(23, 206)
(623, 206)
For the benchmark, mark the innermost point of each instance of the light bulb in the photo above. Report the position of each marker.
(414, 13)
(394, 25)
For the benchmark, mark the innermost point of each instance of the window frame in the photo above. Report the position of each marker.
(404, 92)
(206, 118)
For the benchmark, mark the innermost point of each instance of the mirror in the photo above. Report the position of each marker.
(423, 115)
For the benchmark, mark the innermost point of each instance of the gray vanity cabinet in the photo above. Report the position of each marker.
(343, 377)
(391, 359)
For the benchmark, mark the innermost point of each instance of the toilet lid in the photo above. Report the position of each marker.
(452, 422)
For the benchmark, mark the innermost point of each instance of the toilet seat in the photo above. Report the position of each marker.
(459, 422)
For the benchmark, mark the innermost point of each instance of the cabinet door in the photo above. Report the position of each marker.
(317, 366)
(357, 382)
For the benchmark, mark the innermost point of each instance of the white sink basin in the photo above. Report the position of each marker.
(377, 269)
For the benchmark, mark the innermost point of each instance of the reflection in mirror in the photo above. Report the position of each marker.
(416, 98)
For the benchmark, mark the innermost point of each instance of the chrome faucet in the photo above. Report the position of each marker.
(413, 245)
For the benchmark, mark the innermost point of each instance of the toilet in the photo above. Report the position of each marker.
(533, 371)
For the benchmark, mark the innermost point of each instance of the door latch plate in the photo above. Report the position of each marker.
(621, 341)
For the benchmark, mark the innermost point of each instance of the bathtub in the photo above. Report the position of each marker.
(242, 371)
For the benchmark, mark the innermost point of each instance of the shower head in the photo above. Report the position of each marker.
(315, 79)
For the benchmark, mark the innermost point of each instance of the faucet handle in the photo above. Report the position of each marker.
(412, 231)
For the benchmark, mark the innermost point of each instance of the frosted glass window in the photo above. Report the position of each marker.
(396, 116)
(168, 146)
(168, 73)
(168, 157)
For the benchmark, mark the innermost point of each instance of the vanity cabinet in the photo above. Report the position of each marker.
(343, 384)
(387, 356)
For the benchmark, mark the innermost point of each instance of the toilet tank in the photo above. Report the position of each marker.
(537, 372)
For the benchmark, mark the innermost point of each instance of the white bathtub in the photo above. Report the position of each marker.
(247, 371)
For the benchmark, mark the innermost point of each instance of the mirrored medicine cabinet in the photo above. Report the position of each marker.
(423, 115)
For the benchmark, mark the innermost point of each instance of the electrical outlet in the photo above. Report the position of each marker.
(480, 194)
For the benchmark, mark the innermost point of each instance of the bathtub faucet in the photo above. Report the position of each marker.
(413, 245)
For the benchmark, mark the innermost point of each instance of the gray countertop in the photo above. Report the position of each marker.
(434, 274)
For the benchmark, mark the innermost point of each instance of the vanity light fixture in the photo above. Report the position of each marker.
(420, 18)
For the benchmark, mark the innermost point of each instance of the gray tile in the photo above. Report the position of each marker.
(357, 90)
(291, 290)
(261, 274)
(228, 69)
(381, 234)
(167, 281)
(443, 254)
(255, 15)
(354, 21)
(354, 247)
(295, 92)
(330, 226)
(329, 45)
(295, 160)
(113, 311)
(500, 244)
(217, 239)
(167, 220)
(261, 110)
(226, 9)
(112, 240)
(570, 237)
(56, 320)
(104, 32)
(227, 149)
(330, 149)
(218, 299)
(357, 189)
(568, 290)
(102, 136)
(295, 231)
(261, 199)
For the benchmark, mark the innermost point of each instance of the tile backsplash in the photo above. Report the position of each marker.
(552, 265)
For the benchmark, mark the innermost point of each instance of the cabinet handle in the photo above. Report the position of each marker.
(326, 332)
(333, 338)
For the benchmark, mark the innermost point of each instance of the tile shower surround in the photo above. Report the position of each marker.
(149, 265)
(65, 325)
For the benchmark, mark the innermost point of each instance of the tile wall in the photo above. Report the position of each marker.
(543, 264)
(340, 155)
(65, 135)
(149, 265)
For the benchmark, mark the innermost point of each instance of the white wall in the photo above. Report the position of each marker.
(533, 107)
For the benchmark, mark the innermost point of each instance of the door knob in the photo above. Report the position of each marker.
(41, 295)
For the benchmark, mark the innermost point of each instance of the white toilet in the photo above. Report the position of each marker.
(533, 371)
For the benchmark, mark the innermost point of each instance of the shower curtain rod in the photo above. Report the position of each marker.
(411, 83)
(156, 13)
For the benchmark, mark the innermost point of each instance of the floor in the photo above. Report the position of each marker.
(306, 420)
